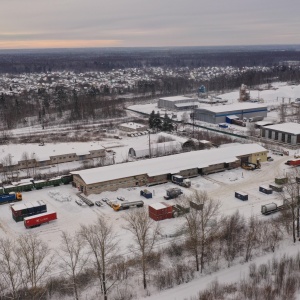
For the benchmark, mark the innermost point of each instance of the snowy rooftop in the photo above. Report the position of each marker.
(235, 106)
(157, 206)
(132, 125)
(168, 164)
(177, 98)
(44, 152)
(292, 128)
(186, 104)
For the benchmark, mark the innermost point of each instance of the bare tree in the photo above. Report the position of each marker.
(145, 234)
(233, 228)
(73, 257)
(291, 198)
(9, 267)
(25, 159)
(200, 225)
(184, 118)
(34, 260)
(102, 243)
(251, 237)
(7, 166)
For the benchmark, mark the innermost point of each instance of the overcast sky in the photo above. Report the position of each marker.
(143, 23)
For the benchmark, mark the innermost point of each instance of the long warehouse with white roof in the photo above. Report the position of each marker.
(218, 114)
(159, 170)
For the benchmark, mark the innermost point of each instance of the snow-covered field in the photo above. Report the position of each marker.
(219, 186)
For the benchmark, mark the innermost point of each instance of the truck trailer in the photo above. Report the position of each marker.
(173, 193)
(178, 179)
(238, 122)
(37, 220)
(126, 205)
(293, 162)
(271, 208)
(11, 197)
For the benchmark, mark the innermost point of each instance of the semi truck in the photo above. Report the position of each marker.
(238, 122)
(293, 162)
(126, 205)
(39, 219)
(173, 193)
(178, 179)
(11, 197)
(271, 208)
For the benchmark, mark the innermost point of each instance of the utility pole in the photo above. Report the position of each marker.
(149, 144)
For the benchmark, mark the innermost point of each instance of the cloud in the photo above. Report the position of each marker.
(151, 23)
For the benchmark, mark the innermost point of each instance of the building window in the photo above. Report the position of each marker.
(289, 138)
(270, 134)
(283, 137)
(276, 135)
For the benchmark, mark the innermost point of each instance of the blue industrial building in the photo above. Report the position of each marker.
(218, 114)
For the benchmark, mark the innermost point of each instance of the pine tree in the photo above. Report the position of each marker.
(151, 119)
(167, 123)
(157, 123)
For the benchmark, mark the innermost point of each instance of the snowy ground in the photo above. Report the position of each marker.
(220, 186)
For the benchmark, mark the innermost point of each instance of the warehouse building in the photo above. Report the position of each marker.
(177, 103)
(218, 114)
(288, 133)
(159, 170)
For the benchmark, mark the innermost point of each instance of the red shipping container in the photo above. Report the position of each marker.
(157, 209)
(169, 207)
(169, 215)
(161, 217)
(157, 218)
(39, 219)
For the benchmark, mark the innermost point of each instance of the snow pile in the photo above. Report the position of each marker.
(57, 196)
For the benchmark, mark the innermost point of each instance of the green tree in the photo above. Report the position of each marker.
(151, 119)
(157, 123)
(167, 124)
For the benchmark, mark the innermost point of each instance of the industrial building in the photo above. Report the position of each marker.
(288, 133)
(159, 170)
(218, 114)
(177, 103)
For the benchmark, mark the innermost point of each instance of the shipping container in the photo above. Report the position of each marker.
(241, 195)
(168, 206)
(281, 180)
(145, 193)
(276, 187)
(265, 190)
(39, 219)
(20, 211)
(158, 209)
(161, 217)
(157, 217)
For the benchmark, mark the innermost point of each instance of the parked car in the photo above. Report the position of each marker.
(98, 203)
(269, 158)
(121, 198)
(78, 202)
(104, 199)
